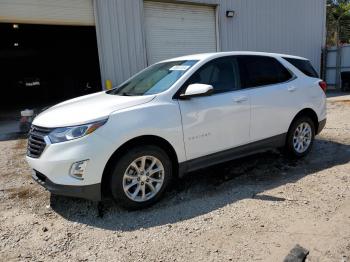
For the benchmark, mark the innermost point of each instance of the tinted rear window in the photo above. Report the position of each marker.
(261, 71)
(304, 66)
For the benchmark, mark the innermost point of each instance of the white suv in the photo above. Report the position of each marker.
(174, 117)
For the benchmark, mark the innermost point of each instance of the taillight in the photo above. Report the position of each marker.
(323, 85)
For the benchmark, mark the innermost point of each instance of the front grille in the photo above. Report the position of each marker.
(36, 141)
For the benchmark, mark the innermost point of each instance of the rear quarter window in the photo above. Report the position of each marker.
(303, 65)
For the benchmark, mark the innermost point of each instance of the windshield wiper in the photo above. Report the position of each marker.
(131, 94)
(126, 94)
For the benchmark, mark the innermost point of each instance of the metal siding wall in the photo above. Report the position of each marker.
(332, 63)
(293, 27)
(58, 12)
(120, 38)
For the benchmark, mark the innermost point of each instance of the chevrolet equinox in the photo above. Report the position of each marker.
(174, 117)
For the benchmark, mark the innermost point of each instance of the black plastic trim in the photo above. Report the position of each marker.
(90, 192)
(231, 154)
(321, 125)
(36, 141)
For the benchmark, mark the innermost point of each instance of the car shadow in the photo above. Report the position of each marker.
(210, 189)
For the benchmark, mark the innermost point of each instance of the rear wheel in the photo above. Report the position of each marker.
(140, 177)
(300, 137)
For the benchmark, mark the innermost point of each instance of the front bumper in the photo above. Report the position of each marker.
(89, 192)
(56, 160)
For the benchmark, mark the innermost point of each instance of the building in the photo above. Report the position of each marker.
(132, 34)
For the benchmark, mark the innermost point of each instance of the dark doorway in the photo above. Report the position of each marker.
(41, 65)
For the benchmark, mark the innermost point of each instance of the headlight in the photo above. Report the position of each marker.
(63, 134)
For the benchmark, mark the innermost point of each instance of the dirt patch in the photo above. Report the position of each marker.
(20, 144)
(343, 102)
(7, 174)
(20, 193)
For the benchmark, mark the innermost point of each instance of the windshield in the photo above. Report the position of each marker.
(154, 80)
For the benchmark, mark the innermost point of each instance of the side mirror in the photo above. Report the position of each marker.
(196, 90)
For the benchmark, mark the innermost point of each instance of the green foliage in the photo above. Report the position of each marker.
(338, 22)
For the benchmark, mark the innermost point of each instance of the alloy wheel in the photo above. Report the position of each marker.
(143, 178)
(302, 137)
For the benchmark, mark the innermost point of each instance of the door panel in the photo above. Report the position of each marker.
(214, 123)
(220, 121)
(273, 108)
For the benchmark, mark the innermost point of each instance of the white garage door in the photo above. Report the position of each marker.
(178, 29)
(59, 12)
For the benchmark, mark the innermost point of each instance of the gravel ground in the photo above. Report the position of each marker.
(256, 208)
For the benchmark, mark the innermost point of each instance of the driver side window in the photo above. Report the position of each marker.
(221, 73)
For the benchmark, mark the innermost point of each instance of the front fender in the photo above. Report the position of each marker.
(161, 119)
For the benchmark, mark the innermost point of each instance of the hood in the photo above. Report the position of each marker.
(87, 109)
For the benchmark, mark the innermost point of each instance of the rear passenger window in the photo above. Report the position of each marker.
(303, 65)
(221, 73)
(261, 71)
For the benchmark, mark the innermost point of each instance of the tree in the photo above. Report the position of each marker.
(338, 22)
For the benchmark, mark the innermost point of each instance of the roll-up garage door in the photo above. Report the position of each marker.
(178, 29)
(58, 12)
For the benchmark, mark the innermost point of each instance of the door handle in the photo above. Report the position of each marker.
(292, 88)
(240, 99)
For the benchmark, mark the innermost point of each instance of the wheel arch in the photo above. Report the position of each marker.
(310, 113)
(137, 141)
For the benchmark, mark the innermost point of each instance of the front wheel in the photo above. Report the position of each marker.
(140, 177)
(300, 137)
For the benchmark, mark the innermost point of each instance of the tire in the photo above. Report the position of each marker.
(299, 146)
(128, 176)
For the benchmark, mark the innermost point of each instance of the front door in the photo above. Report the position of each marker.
(220, 121)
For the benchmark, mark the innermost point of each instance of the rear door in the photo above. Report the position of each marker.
(274, 97)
